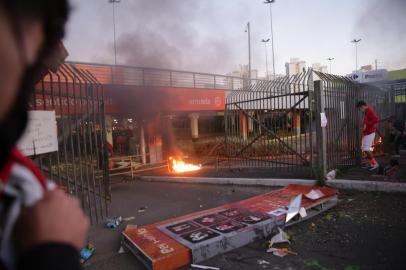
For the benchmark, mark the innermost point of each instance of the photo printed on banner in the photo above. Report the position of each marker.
(183, 227)
(199, 235)
(210, 219)
(228, 227)
(252, 218)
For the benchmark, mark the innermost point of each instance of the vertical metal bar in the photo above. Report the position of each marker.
(64, 142)
(57, 152)
(89, 97)
(320, 131)
(77, 131)
(68, 97)
(103, 159)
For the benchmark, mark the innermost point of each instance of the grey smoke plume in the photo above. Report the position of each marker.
(163, 35)
(382, 27)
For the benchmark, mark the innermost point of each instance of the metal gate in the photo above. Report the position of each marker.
(270, 125)
(80, 164)
(278, 124)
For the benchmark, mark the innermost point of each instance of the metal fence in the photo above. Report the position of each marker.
(80, 164)
(269, 125)
(277, 125)
(141, 76)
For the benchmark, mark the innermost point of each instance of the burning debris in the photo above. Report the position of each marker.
(179, 166)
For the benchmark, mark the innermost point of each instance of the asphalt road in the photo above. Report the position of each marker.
(365, 231)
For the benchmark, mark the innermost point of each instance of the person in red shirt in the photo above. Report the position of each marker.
(40, 227)
(369, 124)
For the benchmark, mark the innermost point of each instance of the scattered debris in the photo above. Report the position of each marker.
(281, 252)
(114, 222)
(131, 226)
(302, 212)
(86, 253)
(329, 216)
(142, 209)
(128, 218)
(201, 206)
(294, 207)
(314, 194)
(261, 262)
(204, 267)
(281, 237)
(278, 212)
(277, 252)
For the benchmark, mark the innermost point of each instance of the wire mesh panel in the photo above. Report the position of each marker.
(269, 125)
(80, 164)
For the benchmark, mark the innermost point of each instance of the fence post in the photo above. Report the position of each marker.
(358, 152)
(321, 139)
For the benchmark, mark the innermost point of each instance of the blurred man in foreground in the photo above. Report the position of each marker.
(40, 228)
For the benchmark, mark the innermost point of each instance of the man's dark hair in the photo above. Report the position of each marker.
(53, 14)
(361, 103)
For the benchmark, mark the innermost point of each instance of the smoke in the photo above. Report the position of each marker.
(162, 34)
(382, 28)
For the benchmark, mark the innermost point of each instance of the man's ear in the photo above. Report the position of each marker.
(32, 38)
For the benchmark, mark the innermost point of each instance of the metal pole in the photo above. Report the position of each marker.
(249, 51)
(265, 41)
(356, 57)
(273, 44)
(355, 41)
(114, 28)
(330, 59)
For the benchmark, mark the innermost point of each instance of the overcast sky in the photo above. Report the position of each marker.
(208, 35)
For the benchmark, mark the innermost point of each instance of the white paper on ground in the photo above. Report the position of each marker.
(302, 212)
(277, 212)
(294, 207)
(314, 194)
(204, 267)
(281, 237)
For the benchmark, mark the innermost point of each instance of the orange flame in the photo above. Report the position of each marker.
(180, 166)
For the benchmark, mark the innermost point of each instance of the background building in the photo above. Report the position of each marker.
(295, 66)
(319, 67)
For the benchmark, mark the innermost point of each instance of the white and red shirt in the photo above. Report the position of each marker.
(21, 185)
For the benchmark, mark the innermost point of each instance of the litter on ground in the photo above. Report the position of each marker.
(281, 237)
(86, 253)
(294, 207)
(198, 266)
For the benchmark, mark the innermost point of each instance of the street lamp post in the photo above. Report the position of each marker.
(114, 28)
(330, 59)
(273, 44)
(265, 41)
(355, 41)
(248, 30)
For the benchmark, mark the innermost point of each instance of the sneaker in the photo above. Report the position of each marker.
(366, 166)
(374, 167)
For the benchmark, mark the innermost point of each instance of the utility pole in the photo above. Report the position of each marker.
(330, 59)
(355, 41)
(265, 41)
(273, 44)
(248, 30)
(376, 64)
(114, 28)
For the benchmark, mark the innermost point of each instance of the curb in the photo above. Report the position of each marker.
(336, 183)
(368, 185)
